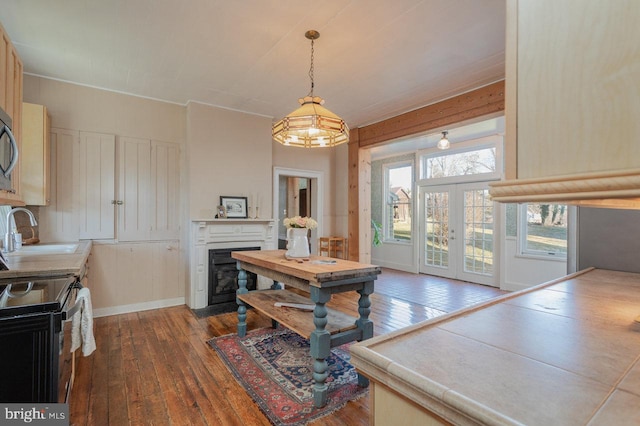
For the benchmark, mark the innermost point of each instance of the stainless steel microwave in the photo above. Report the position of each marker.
(8, 151)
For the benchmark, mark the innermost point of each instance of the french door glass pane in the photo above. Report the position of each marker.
(436, 216)
(478, 235)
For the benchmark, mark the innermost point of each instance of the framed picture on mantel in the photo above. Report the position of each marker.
(236, 206)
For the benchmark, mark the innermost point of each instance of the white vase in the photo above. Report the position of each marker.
(297, 242)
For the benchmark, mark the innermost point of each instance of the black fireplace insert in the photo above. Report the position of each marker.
(223, 280)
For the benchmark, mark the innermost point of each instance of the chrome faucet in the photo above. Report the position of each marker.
(10, 236)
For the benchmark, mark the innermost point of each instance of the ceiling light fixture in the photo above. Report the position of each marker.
(443, 143)
(311, 125)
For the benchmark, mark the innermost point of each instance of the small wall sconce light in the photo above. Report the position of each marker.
(443, 143)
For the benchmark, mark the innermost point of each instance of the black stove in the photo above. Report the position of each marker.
(22, 296)
(35, 338)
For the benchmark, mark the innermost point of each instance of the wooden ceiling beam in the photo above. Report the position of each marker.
(477, 103)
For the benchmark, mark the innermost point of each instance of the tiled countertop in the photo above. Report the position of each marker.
(566, 352)
(47, 264)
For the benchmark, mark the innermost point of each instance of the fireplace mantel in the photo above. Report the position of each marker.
(209, 234)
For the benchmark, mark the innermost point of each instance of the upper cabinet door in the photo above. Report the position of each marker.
(96, 185)
(35, 155)
(165, 190)
(149, 182)
(11, 103)
(59, 221)
(134, 192)
(572, 97)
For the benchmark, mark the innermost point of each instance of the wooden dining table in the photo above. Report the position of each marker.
(308, 316)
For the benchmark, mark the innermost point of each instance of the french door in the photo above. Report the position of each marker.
(456, 232)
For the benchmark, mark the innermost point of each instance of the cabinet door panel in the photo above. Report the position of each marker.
(134, 190)
(58, 220)
(4, 51)
(96, 182)
(165, 178)
(578, 91)
(35, 155)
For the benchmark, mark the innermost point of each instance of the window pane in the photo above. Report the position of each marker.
(436, 224)
(398, 205)
(478, 235)
(546, 229)
(459, 164)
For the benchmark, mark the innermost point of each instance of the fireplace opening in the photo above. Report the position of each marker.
(223, 280)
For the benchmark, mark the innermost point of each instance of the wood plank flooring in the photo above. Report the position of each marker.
(156, 368)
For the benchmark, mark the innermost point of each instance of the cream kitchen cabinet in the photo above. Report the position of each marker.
(96, 185)
(112, 188)
(148, 190)
(11, 103)
(57, 221)
(35, 155)
(572, 97)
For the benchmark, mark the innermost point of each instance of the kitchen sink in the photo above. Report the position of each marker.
(56, 248)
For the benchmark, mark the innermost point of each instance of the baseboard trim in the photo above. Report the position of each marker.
(137, 307)
(396, 266)
(513, 286)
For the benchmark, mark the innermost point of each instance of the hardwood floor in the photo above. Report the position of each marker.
(155, 367)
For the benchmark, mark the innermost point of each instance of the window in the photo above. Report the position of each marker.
(460, 164)
(543, 230)
(468, 161)
(398, 202)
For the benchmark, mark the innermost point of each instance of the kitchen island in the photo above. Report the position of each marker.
(50, 260)
(565, 352)
(321, 277)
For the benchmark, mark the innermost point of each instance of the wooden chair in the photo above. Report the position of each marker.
(333, 247)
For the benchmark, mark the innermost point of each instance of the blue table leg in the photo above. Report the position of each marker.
(242, 308)
(320, 346)
(364, 323)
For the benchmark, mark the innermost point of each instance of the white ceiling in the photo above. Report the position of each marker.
(374, 59)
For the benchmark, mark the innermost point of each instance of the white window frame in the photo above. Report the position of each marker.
(493, 141)
(385, 197)
(522, 251)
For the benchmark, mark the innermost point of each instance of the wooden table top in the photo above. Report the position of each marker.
(312, 269)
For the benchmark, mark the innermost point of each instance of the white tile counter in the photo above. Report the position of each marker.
(566, 352)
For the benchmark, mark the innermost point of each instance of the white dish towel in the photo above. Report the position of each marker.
(82, 324)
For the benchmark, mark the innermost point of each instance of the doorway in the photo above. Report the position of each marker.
(456, 232)
(298, 193)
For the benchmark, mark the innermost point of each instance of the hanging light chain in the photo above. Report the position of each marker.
(311, 69)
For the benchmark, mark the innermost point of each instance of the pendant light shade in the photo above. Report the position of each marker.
(311, 125)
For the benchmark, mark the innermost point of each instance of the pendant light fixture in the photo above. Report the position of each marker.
(311, 125)
(443, 143)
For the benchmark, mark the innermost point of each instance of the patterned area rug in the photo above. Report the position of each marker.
(275, 368)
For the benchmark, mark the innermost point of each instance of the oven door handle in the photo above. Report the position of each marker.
(75, 308)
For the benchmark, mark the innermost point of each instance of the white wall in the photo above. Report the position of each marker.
(395, 256)
(522, 272)
(84, 108)
(228, 153)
